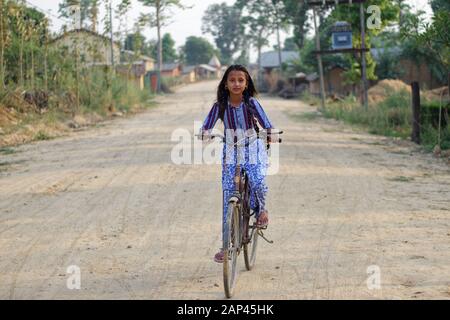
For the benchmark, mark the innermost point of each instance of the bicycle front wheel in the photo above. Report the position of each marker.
(252, 243)
(231, 247)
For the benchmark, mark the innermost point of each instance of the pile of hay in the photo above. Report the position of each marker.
(436, 94)
(384, 88)
(8, 116)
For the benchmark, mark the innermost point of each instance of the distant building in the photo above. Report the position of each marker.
(171, 70)
(128, 56)
(271, 60)
(135, 68)
(205, 71)
(333, 80)
(270, 63)
(189, 73)
(215, 62)
(314, 83)
(408, 70)
(92, 48)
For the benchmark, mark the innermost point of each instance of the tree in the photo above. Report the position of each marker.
(134, 42)
(428, 42)
(24, 37)
(244, 56)
(224, 23)
(159, 18)
(169, 52)
(296, 13)
(259, 21)
(2, 42)
(85, 7)
(122, 11)
(93, 14)
(440, 5)
(290, 44)
(279, 22)
(389, 53)
(198, 50)
(262, 19)
(351, 14)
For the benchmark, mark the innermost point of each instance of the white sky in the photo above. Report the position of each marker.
(185, 22)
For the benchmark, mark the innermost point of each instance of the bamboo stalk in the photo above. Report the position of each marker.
(2, 47)
(46, 62)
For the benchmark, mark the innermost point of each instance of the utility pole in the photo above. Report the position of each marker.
(112, 40)
(279, 49)
(278, 22)
(2, 50)
(319, 59)
(365, 97)
(77, 67)
(158, 27)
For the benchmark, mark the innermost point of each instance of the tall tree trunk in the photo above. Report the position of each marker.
(21, 79)
(2, 47)
(277, 21)
(94, 17)
(400, 14)
(32, 69)
(319, 62)
(160, 58)
(260, 73)
(46, 63)
(279, 49)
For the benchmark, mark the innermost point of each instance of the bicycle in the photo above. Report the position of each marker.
(241, 230)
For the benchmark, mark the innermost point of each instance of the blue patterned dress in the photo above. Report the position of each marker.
(252, 156)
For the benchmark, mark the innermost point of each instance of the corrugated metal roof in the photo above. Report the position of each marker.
(207, 67)
(271, 60)
(169, 66)
(131, 54)
(83, 30)
(312, 76)
(187, 69)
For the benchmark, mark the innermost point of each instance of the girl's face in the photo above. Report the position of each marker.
(237, 82)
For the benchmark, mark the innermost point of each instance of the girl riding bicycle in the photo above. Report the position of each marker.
(240, 112)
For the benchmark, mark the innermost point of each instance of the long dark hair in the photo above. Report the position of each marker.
(223, 94)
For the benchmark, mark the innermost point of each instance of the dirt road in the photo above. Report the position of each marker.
(353, 216)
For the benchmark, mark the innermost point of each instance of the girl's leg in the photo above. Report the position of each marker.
(228, 167)
(256, 169)
(227, 188)
(258, 188)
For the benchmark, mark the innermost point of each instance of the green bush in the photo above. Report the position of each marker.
(393, 117)
(390, 117)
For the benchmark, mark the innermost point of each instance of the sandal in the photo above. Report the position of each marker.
(263, 220)
(218, 257)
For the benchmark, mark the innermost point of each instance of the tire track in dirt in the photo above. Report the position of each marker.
(52, 220)
(97, 198)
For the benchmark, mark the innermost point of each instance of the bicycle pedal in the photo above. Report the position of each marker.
(261, 234)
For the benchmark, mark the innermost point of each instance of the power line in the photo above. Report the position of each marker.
(66, 20)
(46, 11)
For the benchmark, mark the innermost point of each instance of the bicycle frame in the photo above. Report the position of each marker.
(240, 195)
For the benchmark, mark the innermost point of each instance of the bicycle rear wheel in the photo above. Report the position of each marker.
(231, 248)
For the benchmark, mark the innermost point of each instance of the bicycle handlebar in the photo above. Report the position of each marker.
(222, 137)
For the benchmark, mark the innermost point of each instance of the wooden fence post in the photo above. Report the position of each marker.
(415, 91)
